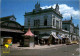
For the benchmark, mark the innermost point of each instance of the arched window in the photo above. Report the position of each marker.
(53, 22)
(65, 28)
(45, 20)
(37, 23)
(28, 22)
(57, 24)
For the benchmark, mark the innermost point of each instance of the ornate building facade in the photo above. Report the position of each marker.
(73, 30)
(45, 21)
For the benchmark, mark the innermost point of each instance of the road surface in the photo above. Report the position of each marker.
(67, 50)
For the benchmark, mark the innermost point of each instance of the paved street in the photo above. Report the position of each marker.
(66, 50)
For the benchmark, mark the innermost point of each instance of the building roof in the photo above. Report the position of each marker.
(11, 30)
(29, 33)
(43, 11)
(38, 10)
(6, 18)
(10, 24)
(66, 21)
(69, 22)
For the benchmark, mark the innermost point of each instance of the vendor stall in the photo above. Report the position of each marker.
(65, 39)
(29, 39)
(54, 39)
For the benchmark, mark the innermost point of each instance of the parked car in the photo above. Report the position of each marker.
(68, 43)
(74, 42)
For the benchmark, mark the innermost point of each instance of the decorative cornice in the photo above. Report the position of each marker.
(43, 11)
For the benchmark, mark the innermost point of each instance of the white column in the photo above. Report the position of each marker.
(55, 23)
(59, 24)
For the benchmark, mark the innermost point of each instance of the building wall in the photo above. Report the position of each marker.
(45, 31)
(40, 17)
(53, 21)
(66, 27)
(50, 17)
(71, 29)
(76, 31)
(56, 18)
(42, 31)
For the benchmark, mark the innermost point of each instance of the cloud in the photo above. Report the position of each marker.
(66, 11)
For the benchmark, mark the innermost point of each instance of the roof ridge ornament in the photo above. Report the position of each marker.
(57, 8)
(37, 6)
(71, 17)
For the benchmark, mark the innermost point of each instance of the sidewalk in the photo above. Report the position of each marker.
(36, 46)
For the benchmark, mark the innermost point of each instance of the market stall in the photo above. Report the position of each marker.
(29, 39)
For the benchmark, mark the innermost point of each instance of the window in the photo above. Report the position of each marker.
(65, 28)
(53, 22)
(36, 23)
(60, 24)
(57, 24)
(12, 19)
(53, 16)
(45, 20)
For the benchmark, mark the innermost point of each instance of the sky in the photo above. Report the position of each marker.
(18, 8)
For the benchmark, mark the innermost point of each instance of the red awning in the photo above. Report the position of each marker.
(29, 33)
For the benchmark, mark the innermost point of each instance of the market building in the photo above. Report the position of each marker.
(46, 22)
(10, 29)
(73, 30)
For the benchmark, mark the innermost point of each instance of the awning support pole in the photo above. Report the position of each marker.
(38, 41)
(58, 41)
(61, 41)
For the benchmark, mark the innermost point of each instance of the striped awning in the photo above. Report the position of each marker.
(55, 36)
(63, 36)
(59, 37)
